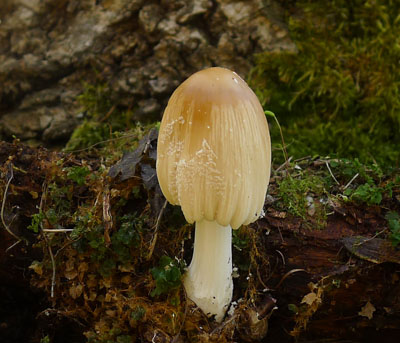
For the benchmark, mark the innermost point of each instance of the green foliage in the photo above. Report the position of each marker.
(124, 241)
(138, 313)
(37, 220)
(339, 92)
(371, 189)
(393, 219)
(368, 193)
(240, 239)
(45, 339)
(127, 237)
(78, 174)
(167, 275)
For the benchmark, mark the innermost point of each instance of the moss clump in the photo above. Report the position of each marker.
(305, 195)
(339, 93)
(104, 122)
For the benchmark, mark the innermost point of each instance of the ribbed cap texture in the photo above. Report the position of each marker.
(214, 150)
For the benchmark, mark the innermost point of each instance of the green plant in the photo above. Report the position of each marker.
(240, 239)
(167, 275)
(368, 193)
(393, 219)
(37, 220)
(138, 313)
(370, 189)
(78, 174)
(45, 339)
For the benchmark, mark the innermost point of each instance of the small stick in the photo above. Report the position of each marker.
(3, 204)
(371, 238)
(53, 263)
(284, 164)
(288, 274)
(154, 240)
(330, 171)
(105, 141)
(350, 182)
(271, 114)
(57, 230)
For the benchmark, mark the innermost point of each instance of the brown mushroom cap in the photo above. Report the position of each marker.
(214, 149)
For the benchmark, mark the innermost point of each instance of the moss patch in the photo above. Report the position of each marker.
(339, 93)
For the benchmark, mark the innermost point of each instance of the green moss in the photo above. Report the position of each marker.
(104, 121)
(304, 195)
(339, 93)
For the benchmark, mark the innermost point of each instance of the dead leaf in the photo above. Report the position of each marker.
(70, 274)
(34, 194)
(37, 267)
(75, 291)
(367, 311)
(309, 298)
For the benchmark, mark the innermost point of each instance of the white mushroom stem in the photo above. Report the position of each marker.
(208, 281)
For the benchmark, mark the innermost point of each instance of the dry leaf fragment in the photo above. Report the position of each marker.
(367, 311)
(37, 267)
(70, 274)
(34, 194)
(309, 298)
(75, 291)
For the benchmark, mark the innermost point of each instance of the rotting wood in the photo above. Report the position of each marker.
(348, 271)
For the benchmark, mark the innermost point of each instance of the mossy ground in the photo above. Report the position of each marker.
(118, 267)
(338, 94)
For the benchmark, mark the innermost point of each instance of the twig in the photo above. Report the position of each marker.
(108, 114)
(154, 240)
(330, 171)
(370, 239)
(57, 230)
(284, 164)
(53, 263)
(175, 339)
(283, 257)
(105, 141)
(350, 182)
(3, 205)
(271, 114)
(302, 159)
(288, 274)
(13, 245)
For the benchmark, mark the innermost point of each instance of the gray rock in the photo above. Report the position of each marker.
(141, 49)
(149, 16)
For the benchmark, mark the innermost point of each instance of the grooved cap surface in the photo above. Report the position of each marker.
(214, 150)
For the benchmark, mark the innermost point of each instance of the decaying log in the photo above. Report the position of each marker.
(340, 283)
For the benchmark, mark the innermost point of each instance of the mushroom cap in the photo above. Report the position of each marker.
(214, 149)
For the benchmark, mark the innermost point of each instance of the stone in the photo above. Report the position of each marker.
(141, 50)
(148, 109)
(60, 127)
(149, 16)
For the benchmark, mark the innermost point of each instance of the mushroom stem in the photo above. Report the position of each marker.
(208, 281)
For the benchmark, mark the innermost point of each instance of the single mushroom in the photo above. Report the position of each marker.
(213, 159)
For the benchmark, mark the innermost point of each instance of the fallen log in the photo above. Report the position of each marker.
(337, 283)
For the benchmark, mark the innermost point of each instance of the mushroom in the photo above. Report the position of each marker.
(213, 159)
